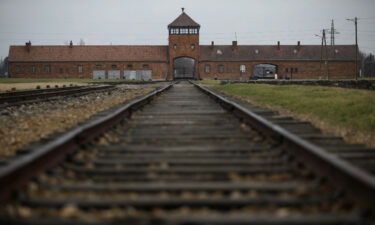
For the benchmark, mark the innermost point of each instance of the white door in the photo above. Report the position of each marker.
(98, 74)
(114, 74)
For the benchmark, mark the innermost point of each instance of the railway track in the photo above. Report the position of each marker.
(184, 159)
(34, 96)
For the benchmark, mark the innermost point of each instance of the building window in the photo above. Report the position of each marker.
(242, 68)
(220, 69)
(174, 31)
(98, 66)
(286, 70)
(175, 47)
(18, 69)
(129, 66)
(219, 52)
(192, 46)
(184, 31)
(296, 70)
(33, 69)
(80, 69)
(47, 69)
(336, 51)
(193, 31)
(114, 66)
(295, 51)
(207, 68)
(61, 70)
(145, 66)
(256, 51)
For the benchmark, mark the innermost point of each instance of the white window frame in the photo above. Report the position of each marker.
(243, 68)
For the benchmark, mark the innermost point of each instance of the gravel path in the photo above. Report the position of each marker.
(22, 125)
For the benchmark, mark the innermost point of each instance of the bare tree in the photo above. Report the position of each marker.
(1, 66)
(82, 42)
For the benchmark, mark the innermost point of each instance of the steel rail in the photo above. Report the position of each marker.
(45, 95)
(15, 174)
(26, 92)
(339, 172)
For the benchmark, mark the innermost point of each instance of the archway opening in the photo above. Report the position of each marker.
(184, 68)
(265, 71)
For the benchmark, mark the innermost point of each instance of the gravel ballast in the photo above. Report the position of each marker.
(25, 124)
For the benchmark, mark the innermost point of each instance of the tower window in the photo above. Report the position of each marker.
(175, 47)
(184, 31)
(193, 46)
(193, 31)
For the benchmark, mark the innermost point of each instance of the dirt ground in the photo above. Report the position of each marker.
(24, 86)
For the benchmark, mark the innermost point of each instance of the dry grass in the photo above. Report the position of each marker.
(25, 86)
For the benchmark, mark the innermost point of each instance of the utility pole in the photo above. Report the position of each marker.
(321, 53)
(355, 20)
(333, 32)
(326, 50)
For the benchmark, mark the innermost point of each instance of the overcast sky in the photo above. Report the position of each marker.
(144, 22)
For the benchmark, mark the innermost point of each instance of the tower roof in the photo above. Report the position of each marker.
(183, 21)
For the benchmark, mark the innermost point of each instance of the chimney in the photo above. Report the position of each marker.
(234, 45)
(298, 44)
(278, 45)
(212, 44)
(28, 46)
(71, 44)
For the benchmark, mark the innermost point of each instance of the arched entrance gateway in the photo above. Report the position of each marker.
(183, 68)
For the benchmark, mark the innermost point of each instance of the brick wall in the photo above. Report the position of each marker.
(70, 69)
(161, 70)
(306, 70)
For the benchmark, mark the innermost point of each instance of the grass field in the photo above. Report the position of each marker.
(348, 112)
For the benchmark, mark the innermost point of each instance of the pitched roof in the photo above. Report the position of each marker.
(270, 52)
(89, 53)
(184, 21)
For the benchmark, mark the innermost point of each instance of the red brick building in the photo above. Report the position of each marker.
(184, 57)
